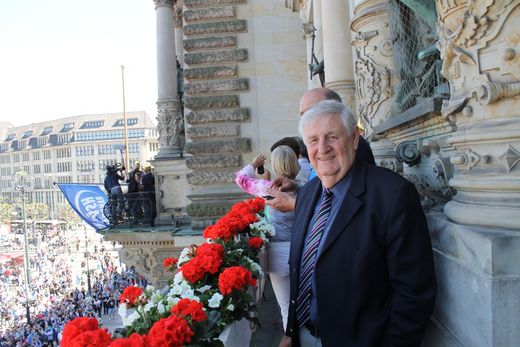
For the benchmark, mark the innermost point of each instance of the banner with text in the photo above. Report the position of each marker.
(88, 201)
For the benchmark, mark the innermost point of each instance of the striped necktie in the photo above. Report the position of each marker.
(308, 262)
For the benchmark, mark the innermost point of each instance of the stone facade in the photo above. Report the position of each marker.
(448, 121)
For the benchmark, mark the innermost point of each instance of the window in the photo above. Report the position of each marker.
(63, 138)
(41, 141)
(92, 124)
(16, 158)
(67, 127)
(46, 131)
(22, 144)
(10, 137)
(25, 156)
(64, 167)
(47, 154)
(36, 155)
(26, 168)
(27, 134)
(4, 147)
(120, 122)
(47, 168)
(37, 169)
(63, 153)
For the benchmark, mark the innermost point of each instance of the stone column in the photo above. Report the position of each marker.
(337, 50)
(179, 33)
(170, 122)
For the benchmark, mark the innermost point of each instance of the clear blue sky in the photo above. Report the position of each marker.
(60, 58)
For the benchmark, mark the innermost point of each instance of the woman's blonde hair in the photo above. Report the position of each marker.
(284, 162)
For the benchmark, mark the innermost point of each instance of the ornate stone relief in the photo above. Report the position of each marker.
(372, 80)
(161, 3)
(465, 50)
(467, 160)
(427, 170)
(511, 157)
(170, 125)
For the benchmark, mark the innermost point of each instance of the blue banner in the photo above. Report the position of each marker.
(88, 202)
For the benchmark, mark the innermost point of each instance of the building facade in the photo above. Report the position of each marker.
(436, 84)
(71, 150)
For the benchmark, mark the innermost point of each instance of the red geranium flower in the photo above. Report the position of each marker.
(84, 331)
(130, 295)
(168, 262)
(255, 242)
(235, 277)
(208, 259)
(191, 308)
(134, 340)
(169, 332)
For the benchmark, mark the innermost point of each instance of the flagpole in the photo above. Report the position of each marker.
(126, 159)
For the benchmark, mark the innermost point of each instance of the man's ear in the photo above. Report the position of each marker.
(355, 138)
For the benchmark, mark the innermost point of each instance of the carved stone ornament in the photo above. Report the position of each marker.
(170, 125)
(466, 161)
(407, 152)
(164, 3)
(512, 157)
(463, 43)
(177, 17)
(293, 5)
(372, 80)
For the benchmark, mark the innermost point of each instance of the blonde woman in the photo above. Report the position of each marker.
(284, 163)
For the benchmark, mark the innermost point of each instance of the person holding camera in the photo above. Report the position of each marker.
(285, 164)
(113, 188)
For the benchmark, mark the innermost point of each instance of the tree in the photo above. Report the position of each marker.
(36, 211)
(6, 213)
(67, 214)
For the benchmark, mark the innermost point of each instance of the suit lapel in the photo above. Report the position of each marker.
(350, 205)
(302, 220)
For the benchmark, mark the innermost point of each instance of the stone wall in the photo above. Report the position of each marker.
(244, 73)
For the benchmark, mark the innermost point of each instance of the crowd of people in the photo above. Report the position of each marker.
(59, 287)
(137, 206)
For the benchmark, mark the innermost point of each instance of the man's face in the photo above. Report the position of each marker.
(331, 149)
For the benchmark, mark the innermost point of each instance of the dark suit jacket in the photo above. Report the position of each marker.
(375, 281)
(364, 152)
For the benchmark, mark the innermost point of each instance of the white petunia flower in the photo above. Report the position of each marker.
(149, 305)
(215, 300)
(131, 318)
(178, 278)
(184, 257)
(203, 289)
(231, 307)
(160, 308)
(150, 288)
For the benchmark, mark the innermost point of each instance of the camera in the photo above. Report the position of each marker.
(120, 167)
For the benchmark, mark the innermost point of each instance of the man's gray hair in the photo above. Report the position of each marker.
(329, 108)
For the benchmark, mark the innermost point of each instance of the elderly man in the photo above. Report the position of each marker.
(285, 202)
(361, 262)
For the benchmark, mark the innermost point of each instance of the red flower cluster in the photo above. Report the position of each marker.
(168, 262)
(171, 332)
(191, 308)
(236, 220)
(135, 340)
(255, 242)
(130, 295)
(208, 259)
(235, 277)
(84, 331)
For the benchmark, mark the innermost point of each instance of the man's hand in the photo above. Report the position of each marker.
(286, 342)
(282, 201)
(285, 184)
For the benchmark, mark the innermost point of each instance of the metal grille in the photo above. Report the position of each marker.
(417, 60)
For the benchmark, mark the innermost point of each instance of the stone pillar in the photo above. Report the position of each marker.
(170, 167)
(337, 50)
(317, 21)
(482, 67)
(178, 33)
(170, 123)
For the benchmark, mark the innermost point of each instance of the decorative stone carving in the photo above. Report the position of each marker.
(165, 3)
(374, 67)
(201, 3)
(511, 157)
(218, 86)
(211, 42)
(463, 49)
(177, 17)
(407, 151)
(216, 57)
(219, 116)
(170, 126)
(210, 72)
(209, 102)
(212, 28)
(210, 13)
(465, 161)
